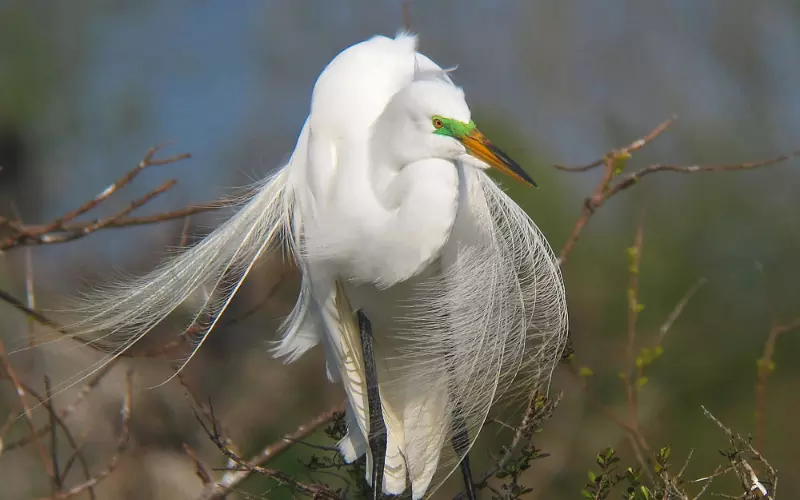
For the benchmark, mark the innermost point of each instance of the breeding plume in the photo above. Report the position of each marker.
(430, 290)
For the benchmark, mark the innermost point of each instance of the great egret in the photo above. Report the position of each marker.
(417, 270)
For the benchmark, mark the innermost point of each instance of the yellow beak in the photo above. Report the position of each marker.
(482, 148)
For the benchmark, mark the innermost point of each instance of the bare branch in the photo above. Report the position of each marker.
(65, 235)
(637, 144)
(122, 444)
(614, 163)
(244, 468)
(147, 161)
(58, 231)
(199, 468)
(23, 398)
(57, 420)
(57, 482)
(750, 481)
(631, 179)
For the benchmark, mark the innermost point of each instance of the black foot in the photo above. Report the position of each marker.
(460, 443)
(377, 427)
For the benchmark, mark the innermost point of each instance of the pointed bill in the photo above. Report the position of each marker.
(482, 148)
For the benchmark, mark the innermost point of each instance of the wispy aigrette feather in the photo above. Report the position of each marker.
(116, 316)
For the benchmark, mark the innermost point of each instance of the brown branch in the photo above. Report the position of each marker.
(65, 235)
(27, 411)
(59, 421)
(10, 419)
(155, 218)
(637, 144)
(747, 475)
(147, 161)
(33, 235)
(631, 179)
(532, 414)
(614, 162)
(30, 313)
(57, 482)
(122, 444)
(244, 468)
(159, 351)
(199, 468)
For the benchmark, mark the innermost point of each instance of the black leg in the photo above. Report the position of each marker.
(377, 427)
(460, 439)
(460, 443)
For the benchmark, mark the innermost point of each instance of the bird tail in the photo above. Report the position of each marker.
(115, 317)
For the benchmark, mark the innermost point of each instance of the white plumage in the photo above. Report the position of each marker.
(385, 207)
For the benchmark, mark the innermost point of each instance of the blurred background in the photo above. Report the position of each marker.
(86, 88)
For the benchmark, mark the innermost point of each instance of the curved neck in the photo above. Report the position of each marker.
(421, 202)
(384, 221)
(398, 217)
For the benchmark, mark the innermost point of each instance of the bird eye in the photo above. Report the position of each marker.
(437, 123)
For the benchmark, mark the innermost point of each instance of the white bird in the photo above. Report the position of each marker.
(385, 207)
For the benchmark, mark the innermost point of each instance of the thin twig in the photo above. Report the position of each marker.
(147, 161)
(637, 144)
(23, 398)
(765, 367)
(152, 219)
(233, 477)
(77, 450)
(57, 482)
(74, 233)
(199, 468)
(750, 480)
(631, 179)
(524, 428)
(87, 388)
(122, 444)
(33, 235)
(613, 164)
(10, 419)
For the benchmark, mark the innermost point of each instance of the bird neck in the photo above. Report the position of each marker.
(383, 222)
(421, 202)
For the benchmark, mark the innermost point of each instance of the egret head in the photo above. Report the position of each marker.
(435, 122)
